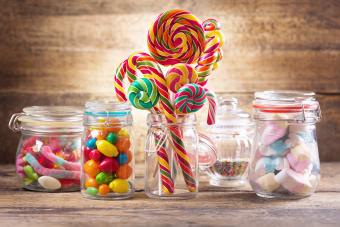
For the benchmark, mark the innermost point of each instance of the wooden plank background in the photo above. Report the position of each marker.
(65, 52)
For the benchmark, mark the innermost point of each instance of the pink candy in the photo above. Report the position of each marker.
(299, 158)
(109, 165)
(273, 131)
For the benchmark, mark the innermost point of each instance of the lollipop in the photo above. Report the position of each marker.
(179, 75)
(212, 54)
(176, 37)
(143, 94)
(190, 98)
(212, 99)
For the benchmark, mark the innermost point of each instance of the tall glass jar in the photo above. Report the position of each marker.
(231, 135)
(171, 161)
(49, 149)
(108, 151)
(285, 160)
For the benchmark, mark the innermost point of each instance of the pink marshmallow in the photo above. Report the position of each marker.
(299, 158)
(272, 131)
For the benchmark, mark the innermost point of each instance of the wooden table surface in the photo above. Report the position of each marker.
(213, 207)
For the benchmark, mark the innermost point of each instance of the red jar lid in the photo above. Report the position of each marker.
(297, 105)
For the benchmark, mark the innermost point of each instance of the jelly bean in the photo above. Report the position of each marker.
(123, 158)
(119, 186)
(109, 165)
(124, 171)
(103, 189)
(123, 144)
(123, 132)
(112, 138)
(86, 152)
(95, 155)
(49, 183)
(91, 182)
(91, 167)
(107, 148)
(101, 177)
(92, 191)
(91, 143)
(30, 172)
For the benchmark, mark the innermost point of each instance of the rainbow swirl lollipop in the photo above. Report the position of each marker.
(176, 37)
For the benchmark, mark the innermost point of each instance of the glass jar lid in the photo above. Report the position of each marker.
(286, 105)
(107, 112)
(48, 119)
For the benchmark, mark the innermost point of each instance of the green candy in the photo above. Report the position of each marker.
(29, 171)
(143, 94)
(112, 138)
(104, 178)
(28, 181)
(92, 191)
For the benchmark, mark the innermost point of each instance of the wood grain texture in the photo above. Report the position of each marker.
(213, 207)
(65, 52)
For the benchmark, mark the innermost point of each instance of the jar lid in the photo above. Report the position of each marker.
(230, 117)
(48, 118)
(288, 105)
(107, 108)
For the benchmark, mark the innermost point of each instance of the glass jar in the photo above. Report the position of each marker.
(108, 151)
(231, 138)
(285, 160)
(49, 149)
(171, 161)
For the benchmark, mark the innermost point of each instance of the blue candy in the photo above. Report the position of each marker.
(279, 147)
(123, 158)
(91, 143)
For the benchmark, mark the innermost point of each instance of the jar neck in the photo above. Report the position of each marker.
(157, 120)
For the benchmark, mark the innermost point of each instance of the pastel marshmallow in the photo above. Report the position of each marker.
(300, 137)
(272, 131)
(299, 158)
(270, 164)
(268, 183)
(294, 182)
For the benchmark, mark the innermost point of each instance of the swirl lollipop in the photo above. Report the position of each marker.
(176, 37)
(190, 98)
(143, 94)
(179, 75)
(212, 54)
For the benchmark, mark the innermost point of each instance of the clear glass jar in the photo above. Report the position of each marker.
(171, 172)
(231, 138)
(108, 151)
(285, 159)
(49, 149)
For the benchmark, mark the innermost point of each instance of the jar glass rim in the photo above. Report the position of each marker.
(53, 113)
(107, 107)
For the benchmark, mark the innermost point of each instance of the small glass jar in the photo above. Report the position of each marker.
(171, 161)
(108, 151)
(285, 160)
(231, 136)
(49, 149)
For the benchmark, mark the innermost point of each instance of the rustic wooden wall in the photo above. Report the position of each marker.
(64, 52)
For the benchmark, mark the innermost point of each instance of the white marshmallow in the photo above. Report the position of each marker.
(268, 182)
(294, 182)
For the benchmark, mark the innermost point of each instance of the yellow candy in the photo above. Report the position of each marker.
(123, 132)
(107, 148)
(119, 186)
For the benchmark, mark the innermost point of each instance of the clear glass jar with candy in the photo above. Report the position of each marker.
(230, 137)
(48, 154)
(285, 159)
(108, 155)
(171, 158)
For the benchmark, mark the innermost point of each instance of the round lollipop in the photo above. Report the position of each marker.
(176, 37)
(143, 94)
(190, 98)
(179, 75)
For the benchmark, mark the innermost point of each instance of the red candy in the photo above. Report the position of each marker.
(109, 165)
(95, 155)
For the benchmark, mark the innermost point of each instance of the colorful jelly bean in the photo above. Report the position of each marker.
(91, 143)
(91, 167)
(123, 159)
(119, 186)
(109, 165)
(92, 191)
(95, 155)
(112, 138)
(124, 171)
(103, 189)
(123, 144)
(107, 148)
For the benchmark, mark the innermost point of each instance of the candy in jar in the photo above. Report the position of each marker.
(285, 160)
(49, 149)
(107, 157)
(230, 137)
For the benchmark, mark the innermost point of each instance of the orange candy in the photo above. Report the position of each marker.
(91, 167)
(124, 171)
(91, 182)
(123, 144)
(129, 155)
(103, 189)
